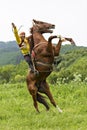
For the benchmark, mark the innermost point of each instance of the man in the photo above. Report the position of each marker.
(24, 46)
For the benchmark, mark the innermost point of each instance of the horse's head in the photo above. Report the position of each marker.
(42, 27)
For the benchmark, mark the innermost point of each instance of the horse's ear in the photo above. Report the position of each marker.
(34, 20)
(37, 22)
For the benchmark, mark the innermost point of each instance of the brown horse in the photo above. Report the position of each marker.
(44, 52)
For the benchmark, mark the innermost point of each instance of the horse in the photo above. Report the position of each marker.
(44, 52)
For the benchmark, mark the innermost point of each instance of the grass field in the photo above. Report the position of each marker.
(17, 111)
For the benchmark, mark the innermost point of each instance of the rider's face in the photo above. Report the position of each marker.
(22, 37)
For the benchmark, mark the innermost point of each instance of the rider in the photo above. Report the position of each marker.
(24, 46)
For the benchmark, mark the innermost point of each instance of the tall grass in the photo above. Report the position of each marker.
(17, 111)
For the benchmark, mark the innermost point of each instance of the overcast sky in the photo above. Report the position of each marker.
(69, 16)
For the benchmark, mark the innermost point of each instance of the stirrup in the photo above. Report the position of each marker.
(36, 72)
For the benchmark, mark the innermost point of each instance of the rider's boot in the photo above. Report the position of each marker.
(33, 70)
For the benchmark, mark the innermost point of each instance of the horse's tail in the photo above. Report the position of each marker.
(41, 99)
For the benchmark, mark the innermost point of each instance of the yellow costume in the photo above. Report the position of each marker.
(24, 46)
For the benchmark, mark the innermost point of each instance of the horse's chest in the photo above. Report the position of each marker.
(42, 50)
(44, 53)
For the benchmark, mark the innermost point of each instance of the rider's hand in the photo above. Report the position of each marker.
(13, 25)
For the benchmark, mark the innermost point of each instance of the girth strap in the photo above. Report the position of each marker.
(44, 64)
(50, 66)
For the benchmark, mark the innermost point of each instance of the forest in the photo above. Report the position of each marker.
(70, 65)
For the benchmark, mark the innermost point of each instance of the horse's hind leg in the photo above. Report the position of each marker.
(35, 101)
(48, 93)
(44, 88)
(41, 99)
(33, 91)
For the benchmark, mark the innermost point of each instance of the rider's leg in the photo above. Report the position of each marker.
(29, 61)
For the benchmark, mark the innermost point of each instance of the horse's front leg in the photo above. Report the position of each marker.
(33, 91)
(57, 48)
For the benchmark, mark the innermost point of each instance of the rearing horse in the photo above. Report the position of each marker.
(44, 52)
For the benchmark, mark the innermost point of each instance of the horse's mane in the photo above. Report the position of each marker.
(31, 30)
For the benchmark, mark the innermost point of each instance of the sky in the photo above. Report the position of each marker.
(69, 17)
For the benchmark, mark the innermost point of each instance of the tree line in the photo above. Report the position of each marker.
(70, 65)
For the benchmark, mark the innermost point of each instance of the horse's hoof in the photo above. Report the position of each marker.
(47, 109)
(38, 111)
(60, 111)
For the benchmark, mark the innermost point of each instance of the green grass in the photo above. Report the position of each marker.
(17, 111)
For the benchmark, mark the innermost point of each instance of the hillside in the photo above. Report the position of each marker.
(70, 55)
(70, 65)
(9, 53)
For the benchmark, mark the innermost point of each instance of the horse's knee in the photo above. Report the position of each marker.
(32, 90)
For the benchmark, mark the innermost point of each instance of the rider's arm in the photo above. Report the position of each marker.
(15, 31)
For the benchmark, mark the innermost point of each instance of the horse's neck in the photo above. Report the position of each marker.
(38, 37)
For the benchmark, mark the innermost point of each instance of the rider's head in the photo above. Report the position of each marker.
(22, 35)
